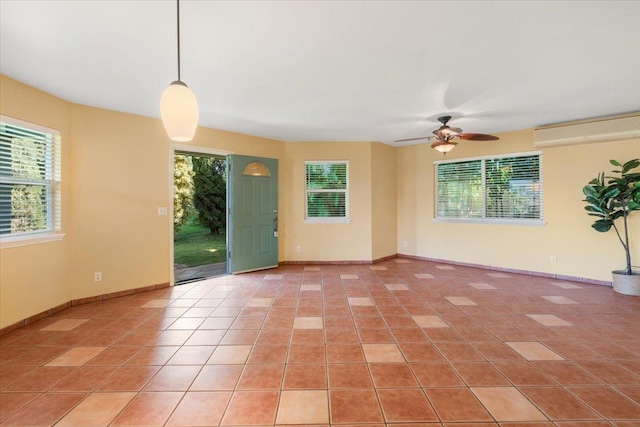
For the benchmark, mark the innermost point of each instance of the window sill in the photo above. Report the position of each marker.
(32, 239)
(327, 220)
(487, 221)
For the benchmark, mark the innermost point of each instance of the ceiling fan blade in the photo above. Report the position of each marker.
(478, 137)
(414, 139)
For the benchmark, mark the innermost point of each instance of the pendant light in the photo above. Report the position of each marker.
(178, 104)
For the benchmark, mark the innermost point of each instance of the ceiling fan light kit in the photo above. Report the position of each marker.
(444, 146)
(178, 104)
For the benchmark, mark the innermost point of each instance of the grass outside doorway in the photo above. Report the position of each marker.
(195, 245)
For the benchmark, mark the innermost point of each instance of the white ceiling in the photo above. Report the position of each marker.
(335, 70)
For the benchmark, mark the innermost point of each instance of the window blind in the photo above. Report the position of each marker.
(460, 190)
(29, 178)
(326, 189)
(496, 187)
(513, 187)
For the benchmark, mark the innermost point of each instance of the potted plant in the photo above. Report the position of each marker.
(610, 198)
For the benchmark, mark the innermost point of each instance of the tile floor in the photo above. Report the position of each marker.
(401, 342)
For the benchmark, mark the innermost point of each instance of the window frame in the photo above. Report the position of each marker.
(52, 184)
(326, 219)
(535, 222)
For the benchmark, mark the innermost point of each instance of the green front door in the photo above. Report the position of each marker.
(253, 213)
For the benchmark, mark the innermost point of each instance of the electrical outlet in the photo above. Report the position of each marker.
(162, 211)
(553, 259)
(298, 249)
(404, 243)
(97, 276)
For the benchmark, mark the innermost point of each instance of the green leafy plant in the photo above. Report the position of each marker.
(610, 198)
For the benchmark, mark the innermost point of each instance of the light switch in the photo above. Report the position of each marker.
(162, 211)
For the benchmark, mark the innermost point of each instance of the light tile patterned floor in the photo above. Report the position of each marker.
(403, 341)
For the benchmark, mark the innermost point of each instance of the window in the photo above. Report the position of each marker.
(29, 183)
(494, 189)
(326, 191)
(256, 169)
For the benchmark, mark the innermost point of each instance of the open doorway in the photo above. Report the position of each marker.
(199, 216)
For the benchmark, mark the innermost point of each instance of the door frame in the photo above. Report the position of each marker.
(195, 149)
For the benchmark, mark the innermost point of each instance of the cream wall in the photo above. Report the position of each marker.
(384, 224)
(580, 251)
(327, 242)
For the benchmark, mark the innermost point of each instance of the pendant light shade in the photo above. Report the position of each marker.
(444, 146)
(179, 112)
(178, 104)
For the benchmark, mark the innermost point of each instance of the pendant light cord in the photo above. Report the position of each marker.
(178, 26)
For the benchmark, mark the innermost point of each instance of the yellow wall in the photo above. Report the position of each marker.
(123, 175)
(384, 224)
(33, 278)
(580, 251)
(116, 173)
(327, 242)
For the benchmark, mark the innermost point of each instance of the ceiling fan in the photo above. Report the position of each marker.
(445, 136)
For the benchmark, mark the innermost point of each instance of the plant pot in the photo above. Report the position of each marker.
(626, 284)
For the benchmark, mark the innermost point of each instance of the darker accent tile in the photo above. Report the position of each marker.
(558, 404)
(349, 376)
(392, 375)
(457, 352)
(306, 353)
(86, 378)
(436, 374)
(608, 372)
(420, 352)
(263, 376)
(268, 354)
(607, 402)
(191, 355)
(148, 409)
(129, 378)
(46, 410)
(406, 405)
(344, 353)
(200, 409)
(217, 377)
(457, 404)
(480, 374)
(495, 350)
(565, 372)
(9, 374)
(252, 408)
(375, 335)
(156, 355)
(307, 336)
(12, 402)
(173, 378)
(354, 406)
(41, 379)
(523, 373)
(39, 356)
(306, 377)
(114, 356)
